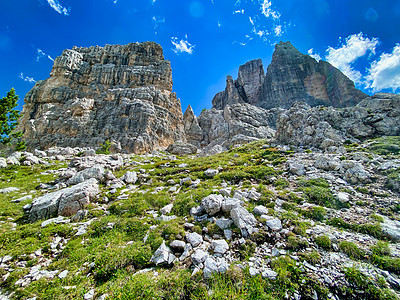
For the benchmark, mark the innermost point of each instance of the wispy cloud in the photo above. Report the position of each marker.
(115, 1)
(26, 78)
(239, 11)
(278, 30)
(58, 7)
(157, 21)
(182, 46)
(268, 12)
(354, 47)
(385, 71)
(41, 54)
(316, 56)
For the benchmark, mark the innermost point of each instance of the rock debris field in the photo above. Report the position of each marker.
(259, 221)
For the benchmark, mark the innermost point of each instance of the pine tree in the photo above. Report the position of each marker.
(9, 117)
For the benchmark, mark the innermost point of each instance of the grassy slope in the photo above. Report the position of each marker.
(108, 255)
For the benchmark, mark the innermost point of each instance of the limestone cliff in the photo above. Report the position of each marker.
(120, 93)
(290, 77)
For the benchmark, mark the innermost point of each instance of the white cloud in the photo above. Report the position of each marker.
(115, 1)
(268, 12)
(41, 54)
(153, 2)
(26, 78)
(157, 21)
(239, 11)
(316, 56)
(182, 45)
(278, 30)
(385, 72)
(355, 46)
(251, 21)
(219, 24)
(58, 7)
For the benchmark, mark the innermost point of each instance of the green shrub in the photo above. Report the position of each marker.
(281, 183)
(359, 281)
(296, 243)
(381, 248)
(323, 241)
(351, 250)
(391, 264)
(104, 148)
(312, 257)
(316, 213)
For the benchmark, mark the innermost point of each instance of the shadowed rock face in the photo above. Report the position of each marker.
(290, 77)
(120, 93)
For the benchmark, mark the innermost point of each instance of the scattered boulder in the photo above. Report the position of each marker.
(194, 239)
(244, 220)
(163, 255)
(260, 210)
(230, 203)
(96, 172)
(274, 224)
(130, 177)
(296, 168)
(182, 148)
(219, 246)
(212, 204)
(64, 202)
(211, 172)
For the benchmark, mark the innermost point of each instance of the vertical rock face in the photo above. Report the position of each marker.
(290, 77)
(251, 77)
(193, 131)
(120, 93)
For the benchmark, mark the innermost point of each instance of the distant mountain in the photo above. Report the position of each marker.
(290, 77)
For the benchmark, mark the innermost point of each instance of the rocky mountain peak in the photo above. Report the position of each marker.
(286, 49)
(121, 93)
(291, 76)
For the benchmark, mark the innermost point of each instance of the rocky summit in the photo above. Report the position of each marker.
(291, 77)
(288, 188)
(118, 93)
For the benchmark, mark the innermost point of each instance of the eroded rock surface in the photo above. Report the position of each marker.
(324, 127)
(117, 93)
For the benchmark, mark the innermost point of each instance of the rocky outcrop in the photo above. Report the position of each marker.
(291, 76)
(235, 124)
(193, 131)
(117, 93)
(246, 89)
(324, 127)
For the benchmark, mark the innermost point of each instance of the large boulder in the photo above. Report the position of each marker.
(64, 202)
(212, 204)
(244, 220)
(182, 148)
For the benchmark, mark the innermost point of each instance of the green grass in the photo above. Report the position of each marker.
(389, 145)
(113, 250)
(352, 250)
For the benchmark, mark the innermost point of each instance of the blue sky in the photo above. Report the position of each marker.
(205, 40)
